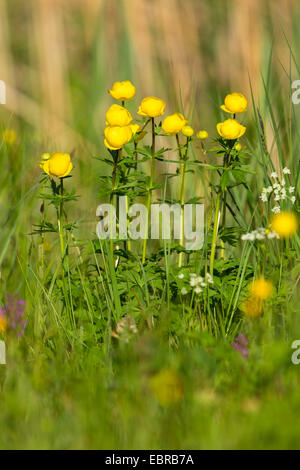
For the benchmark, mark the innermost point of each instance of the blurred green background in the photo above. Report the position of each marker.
(59, 58)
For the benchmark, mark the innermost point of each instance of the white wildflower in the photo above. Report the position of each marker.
(272, 235)
(184, 291)
(180, 276)
(291, 189)
(293, 199)
(276, 210)
(286, 171)
(264, 197)
(197, 290)
(274, 175)
(283, 194)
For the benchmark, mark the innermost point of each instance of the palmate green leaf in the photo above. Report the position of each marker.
(44, 228)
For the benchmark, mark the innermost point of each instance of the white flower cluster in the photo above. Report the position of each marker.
(198, 283)
(259, 234)
(279, 190)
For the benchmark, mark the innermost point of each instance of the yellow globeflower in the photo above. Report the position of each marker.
(252, 307)
(202, 135)
(188, 131)
(117, 115)
(174, 123)
(9, 136)
(59, 164)
(122, 91)
(167, 387)
(152, 107)
(261, 288)
(235, 103)
(238, 146)
(285, 224)
(231, 129)
(116, 136)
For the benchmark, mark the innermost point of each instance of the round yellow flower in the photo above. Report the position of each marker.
(174, 123)
(116, 136)
(235, 103)
(117, 115)
(3, 324)
(59, 164)
(167, 387)
(252, 307)
(135, 128)
(261, 288)
(188, 131)
(238, 146)
(285, 224)
(202, 135)
(122, 91)
(231, 129)
(9, 136)
(152, 107)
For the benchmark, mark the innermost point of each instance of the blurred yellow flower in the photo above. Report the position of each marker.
(252, 307)
(3, 324)
(261, 288)
(174, 123)
(231, 129)
(202, 135)
(47, 246)
(117, 115)
(9, 136)
(238, 146)
(285, 224)
(116, 136)
(188, 131)
(152, 107)
(59, 164)
(122, 91)
(167, 387)
(235, 103)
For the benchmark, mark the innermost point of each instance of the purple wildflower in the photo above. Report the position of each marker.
(14, 313)
(240, 344)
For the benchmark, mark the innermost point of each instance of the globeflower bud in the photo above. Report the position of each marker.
(174, 123)
(135, 128)
(122, 91)
(117, 115)
(202, 135)
(152, 107)
(59, 165)
(238, 146)
(231, 129)
(235, 103)
(188, 131)
(116, 136)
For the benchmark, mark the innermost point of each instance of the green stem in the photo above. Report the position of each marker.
(113, 187)
(149, 190)
(62, 250)
(182, 176)
(215, 234)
